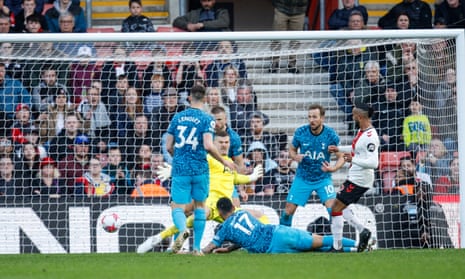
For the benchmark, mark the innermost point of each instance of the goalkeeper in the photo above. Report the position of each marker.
(222, 183)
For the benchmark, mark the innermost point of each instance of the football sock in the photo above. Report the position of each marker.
(327, 240)
(169, 232)
(199, 226)
(352, 219)
(349, 243)
(337, 224)
(286, 220)
(179, 219)
(264, 219)
(330, 210)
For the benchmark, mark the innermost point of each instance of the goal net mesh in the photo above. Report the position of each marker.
(83, 127)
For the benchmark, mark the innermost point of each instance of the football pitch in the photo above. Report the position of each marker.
(410, 264)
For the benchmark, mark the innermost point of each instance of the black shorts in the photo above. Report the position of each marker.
(350, 193)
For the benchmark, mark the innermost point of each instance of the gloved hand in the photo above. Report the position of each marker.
(256, 174)
(164, 172)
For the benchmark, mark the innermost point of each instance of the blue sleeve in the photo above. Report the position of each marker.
(52, 24)
(81, 23)
(25, 96)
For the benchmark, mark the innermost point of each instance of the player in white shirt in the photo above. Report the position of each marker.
(363, 159)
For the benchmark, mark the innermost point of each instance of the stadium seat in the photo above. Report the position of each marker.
(169, 29)
(100, 30)
(46, 8)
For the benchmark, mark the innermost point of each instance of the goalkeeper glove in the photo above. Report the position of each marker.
(256, 174)
(164, 172)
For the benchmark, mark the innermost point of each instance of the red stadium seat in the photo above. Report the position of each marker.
(388, 165)
(169, 29)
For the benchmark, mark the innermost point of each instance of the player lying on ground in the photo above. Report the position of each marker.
(222, 183)
(245, 231)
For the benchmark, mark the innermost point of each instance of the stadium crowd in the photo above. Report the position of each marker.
(98, 129)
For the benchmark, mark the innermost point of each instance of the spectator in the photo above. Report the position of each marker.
(147, 186)
(9, 187)
(69, 13)
(27, 167)
(143, 159)
(29, 9)
(187, 72)
(21, 122)
(279, 180)
(82, 73)
(436, 159)
(137, 22)
(229, 84)
(96, 118)
(115, 100)
(419, 13)
(403, 21)
(94, 183)
(44, 94)
(161, 116)
(5, 23)
(135, 138)
(48, 182)
(111, 70)
(119, 174)
(339, 18)
(63, 144)
(32, 24)
(407, 177)
(257, 154)
(439, 23)
(452, 12)
(16, 6)
(288, 15)
(449, 184)
(390, 110)
(256, 133)
(52, 120)
(12, 93)
(152, 96)
(131, 107)
(371, 86)
(74, 165)
(349, 70)
(216, 70)
(205, 19)
(397, 59)
(244, 106)
(14, 67)
(46, 54)
(157, 67)
(6, 147)
(214, 99)
(447, 125)
(416, 130)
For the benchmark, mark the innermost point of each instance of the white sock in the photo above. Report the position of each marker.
(337, 225)
(352, 219)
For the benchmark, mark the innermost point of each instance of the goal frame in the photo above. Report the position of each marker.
(457, 34)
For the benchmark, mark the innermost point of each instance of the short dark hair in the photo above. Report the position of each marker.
(217, 109)
(221, 134)
(224, 205)
(318, 107)
(33, 18)
(134, 1)
(198, 92)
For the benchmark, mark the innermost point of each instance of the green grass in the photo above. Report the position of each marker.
(397, 264)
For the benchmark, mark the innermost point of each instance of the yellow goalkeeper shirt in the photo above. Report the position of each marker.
(222, 180)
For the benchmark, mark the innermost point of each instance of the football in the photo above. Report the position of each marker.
(110, 222)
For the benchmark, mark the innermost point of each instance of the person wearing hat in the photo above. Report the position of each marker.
(363, 157)
(255, 132)
(22, 121)
(74, 165)
(48, 183)
(82, 73)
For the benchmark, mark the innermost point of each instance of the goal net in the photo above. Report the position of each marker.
(84, 119)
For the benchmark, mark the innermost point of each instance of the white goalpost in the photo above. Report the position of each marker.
(423, 66)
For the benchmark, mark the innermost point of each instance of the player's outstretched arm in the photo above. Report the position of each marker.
(209, 248)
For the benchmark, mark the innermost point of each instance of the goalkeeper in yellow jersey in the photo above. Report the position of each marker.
(222, 183)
